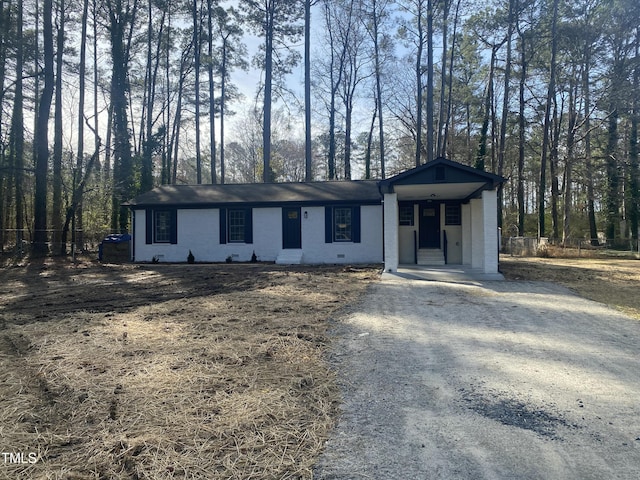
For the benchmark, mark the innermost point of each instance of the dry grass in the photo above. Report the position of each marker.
(131, 372)
(613, 281)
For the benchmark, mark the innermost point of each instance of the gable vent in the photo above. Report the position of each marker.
(439, 174)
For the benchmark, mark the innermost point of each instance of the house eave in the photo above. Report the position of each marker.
(206, 205)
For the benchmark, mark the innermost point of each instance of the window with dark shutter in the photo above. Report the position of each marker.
(223, 226)
(355, 224)
(342, 224)
(162, 226)
(328, 224)
(236, 225)
(248, 225)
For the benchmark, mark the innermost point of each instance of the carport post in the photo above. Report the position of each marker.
(391, 253)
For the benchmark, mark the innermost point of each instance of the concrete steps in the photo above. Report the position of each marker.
(430, 256)
(289, 257)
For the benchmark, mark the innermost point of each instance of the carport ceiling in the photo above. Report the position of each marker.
(438, 191)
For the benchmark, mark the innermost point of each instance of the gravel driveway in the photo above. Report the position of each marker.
(484, 380)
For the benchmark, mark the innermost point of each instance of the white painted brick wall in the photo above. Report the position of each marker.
(199, 231)
(315, 250)
(477, 234)
(466, 234)
(391, 236)
(490, 220)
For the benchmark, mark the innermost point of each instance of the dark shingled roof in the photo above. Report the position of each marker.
(263, 194)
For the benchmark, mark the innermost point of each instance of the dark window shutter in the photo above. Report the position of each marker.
(355, 224)
(223, 226)
(173, 226)
(248, 226)
(148, 217)
(328, 224)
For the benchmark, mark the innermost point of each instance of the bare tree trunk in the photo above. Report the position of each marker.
(77, 193)
(335, 80)
(17, 130)
(197, 47)
(307, 91)
(547, 124)
(440, 145)
(378, 76)
(81, 117)
(521, 133)
(367, 157)
(450, 82)
(419, 87)
(634, 167)
(553, 165)
(223, 106)
(568, 169)
(42, 134)
(3, 166)
(108, 165)
(175, 138)
(467, 137)
(177, 120)
(268, 86)
(430, 76)
(146, 172)
(484, 132)
(56, 210)
(212, 102)
(121, 17)
(588, 162)
(36, 80)
(612, 201)
(347, 136)
(168, 133)
(95, 74)
(611, 153)
(505, 109)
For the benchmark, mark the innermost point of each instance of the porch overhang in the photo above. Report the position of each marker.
(440, 180)
(442, 191)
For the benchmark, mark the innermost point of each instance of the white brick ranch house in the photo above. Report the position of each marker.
(438, 213)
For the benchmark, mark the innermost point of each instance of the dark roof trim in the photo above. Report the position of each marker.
(492, 180)
(202, 206)
(478, 192)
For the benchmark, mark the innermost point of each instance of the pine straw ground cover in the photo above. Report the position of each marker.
(168, 371)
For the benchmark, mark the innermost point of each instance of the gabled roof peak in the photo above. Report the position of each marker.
(448, 164)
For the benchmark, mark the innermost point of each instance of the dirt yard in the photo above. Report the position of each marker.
(167, 371)
(611, 281)
(205, 371)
